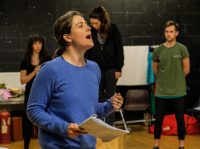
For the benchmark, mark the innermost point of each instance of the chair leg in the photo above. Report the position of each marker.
(124, 122)
(147, 118)
(150, 119)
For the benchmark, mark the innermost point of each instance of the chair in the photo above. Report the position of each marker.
(136, 100)
(195, 110)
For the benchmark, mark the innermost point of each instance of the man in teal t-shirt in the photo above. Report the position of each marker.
(170, 64)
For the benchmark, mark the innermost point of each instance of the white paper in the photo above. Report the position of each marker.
(100, 129)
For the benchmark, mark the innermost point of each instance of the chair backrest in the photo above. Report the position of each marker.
(137, 100)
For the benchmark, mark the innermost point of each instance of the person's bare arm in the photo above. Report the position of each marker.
(155, 67)
(186, 66)
(24, 78)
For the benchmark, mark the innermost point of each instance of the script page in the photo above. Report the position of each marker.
(100, 129)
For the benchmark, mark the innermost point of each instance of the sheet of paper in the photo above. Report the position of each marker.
(100, 129)
(135, 66)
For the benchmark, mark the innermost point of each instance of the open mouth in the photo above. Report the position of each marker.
(89, 36)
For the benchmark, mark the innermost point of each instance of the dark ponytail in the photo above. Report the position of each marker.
(58, 52)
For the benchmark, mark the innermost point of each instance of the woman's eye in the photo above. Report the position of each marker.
(81, 26)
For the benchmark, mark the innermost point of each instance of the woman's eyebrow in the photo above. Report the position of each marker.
(81, 23)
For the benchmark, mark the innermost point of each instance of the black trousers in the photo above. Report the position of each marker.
(27, 125)
(177, 104)
(107, 90)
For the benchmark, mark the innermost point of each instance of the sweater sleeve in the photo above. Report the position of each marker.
(119, 48)
(40, 96)
(104, 109)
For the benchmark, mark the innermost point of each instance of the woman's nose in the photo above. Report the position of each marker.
(88, 28)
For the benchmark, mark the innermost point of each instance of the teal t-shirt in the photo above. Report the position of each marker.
(170, 79)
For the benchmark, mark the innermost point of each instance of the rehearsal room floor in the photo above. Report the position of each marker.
(139, 138)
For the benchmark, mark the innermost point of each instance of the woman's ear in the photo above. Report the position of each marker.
(67, 38)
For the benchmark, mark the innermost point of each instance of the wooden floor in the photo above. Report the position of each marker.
(139, 138)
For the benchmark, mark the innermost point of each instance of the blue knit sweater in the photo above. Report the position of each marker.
(62, 94)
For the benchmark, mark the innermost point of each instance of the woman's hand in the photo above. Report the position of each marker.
(37, 69)
(118, 75)
(117, 101)
(74, 130)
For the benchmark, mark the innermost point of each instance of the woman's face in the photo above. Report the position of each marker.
(96, 23)
(80, 36)
(37, 46)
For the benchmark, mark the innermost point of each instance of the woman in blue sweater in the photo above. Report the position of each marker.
(65, 91)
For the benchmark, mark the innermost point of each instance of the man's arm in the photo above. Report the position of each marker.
(155, 67)
(186, 66)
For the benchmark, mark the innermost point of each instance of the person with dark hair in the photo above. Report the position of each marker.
(107, 53)
(35, 55)
(171, 65)
(65, 91)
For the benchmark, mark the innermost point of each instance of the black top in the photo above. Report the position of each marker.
(109, 55)
(30, 68)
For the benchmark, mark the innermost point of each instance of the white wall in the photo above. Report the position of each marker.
(11, 79)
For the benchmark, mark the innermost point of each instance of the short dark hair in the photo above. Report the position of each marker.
(172, 23)
(63, 26)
